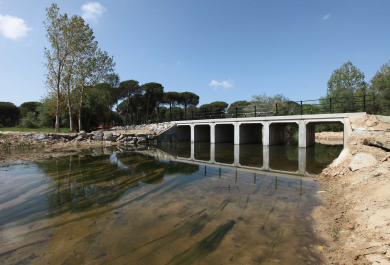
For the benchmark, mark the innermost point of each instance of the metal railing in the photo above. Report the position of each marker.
(304, 107)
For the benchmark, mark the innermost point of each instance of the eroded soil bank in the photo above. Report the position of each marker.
(355, 215)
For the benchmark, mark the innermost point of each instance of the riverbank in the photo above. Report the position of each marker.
(355, 215)
(19, 146)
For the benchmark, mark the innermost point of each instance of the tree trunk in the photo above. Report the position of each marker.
(80, 109)
(57, 125)
(70, 117)
(147, 111)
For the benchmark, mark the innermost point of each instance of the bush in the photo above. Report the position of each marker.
(30, 121)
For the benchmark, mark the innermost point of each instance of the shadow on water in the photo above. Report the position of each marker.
(107, 206)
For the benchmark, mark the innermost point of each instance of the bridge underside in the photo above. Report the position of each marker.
(265, 130)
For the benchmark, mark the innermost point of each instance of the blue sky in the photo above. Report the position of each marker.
(221, 50)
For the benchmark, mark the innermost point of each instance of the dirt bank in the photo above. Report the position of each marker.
(355, 215)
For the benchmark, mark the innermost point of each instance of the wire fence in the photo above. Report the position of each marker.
(305, 107)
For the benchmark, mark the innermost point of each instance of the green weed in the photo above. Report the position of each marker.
(334, 231)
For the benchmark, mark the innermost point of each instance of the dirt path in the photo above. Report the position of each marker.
(355, 215)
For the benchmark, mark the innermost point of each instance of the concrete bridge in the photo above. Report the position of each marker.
(269, 130)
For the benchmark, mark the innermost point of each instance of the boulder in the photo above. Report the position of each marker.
(97, 133)
(108, 136)
(41, 136)
(142, 140)
(383, 118)
(97, 138)
(151, 137)
(362, 160)
(381, 142)
(82, 133)
(80, 138)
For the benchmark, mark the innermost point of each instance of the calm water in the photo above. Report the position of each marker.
(146, 207)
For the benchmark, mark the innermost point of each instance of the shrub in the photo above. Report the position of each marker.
(30, 121)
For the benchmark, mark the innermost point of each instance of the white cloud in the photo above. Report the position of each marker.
(326, 17)
(92, 11)
(13, 27)
(226, 84)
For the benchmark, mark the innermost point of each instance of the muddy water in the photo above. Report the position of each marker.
(144, 208)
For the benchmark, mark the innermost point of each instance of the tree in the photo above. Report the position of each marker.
(153, 91)
(380, 87)
(28, 107)
(57, 56)
(126, 90)
(171, 98)
(93, 67)
(188, 99)
(344, 84)
(9, 114)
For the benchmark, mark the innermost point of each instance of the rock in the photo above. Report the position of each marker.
(380, 142)
(371, 123)
(122, 136)
(82, 133)
(98, 138)
(41, 136)
(383, 118)
(360, 131)
(362, 160)
(80, 138)
(97, 133)
(27, 134)
(108, 136)
(344, 155)
(128, 143)
(141, 135)
(151, 136)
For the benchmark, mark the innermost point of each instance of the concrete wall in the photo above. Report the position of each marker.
(224, 133)
(169, 135)
(250, 133)
(184, 133)
(202, 133)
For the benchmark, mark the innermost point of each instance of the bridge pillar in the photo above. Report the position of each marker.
(237, 132)
(192, 133)
(212, 134)
(266, 133)
(302, 161)
(302, 134)
(265, 157)
(237, 155)
(212, 153)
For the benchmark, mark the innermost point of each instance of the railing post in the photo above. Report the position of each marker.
(364, 103)
(301, 108)
(330, 105)
(255, 110)
(276, 113)
(236, 111)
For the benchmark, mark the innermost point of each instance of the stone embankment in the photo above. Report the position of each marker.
(355, 215)
(12, 143)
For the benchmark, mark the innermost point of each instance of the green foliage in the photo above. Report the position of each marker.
(19, 129)
(266, 105)
(188, 99)
(380, 88)
(334, 231)
(28, 107)
(30, 120)
(9, 114)
(344, 85)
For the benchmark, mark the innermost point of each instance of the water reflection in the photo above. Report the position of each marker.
(278, 158)
(108, 206)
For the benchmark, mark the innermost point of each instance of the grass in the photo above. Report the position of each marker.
(17, 129)
(335, 231)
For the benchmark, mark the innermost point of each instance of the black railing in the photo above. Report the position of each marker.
(304, 107)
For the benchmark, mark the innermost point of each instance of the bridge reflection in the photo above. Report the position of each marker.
(281, 158)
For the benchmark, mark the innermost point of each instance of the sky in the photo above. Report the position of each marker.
(220, 50)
